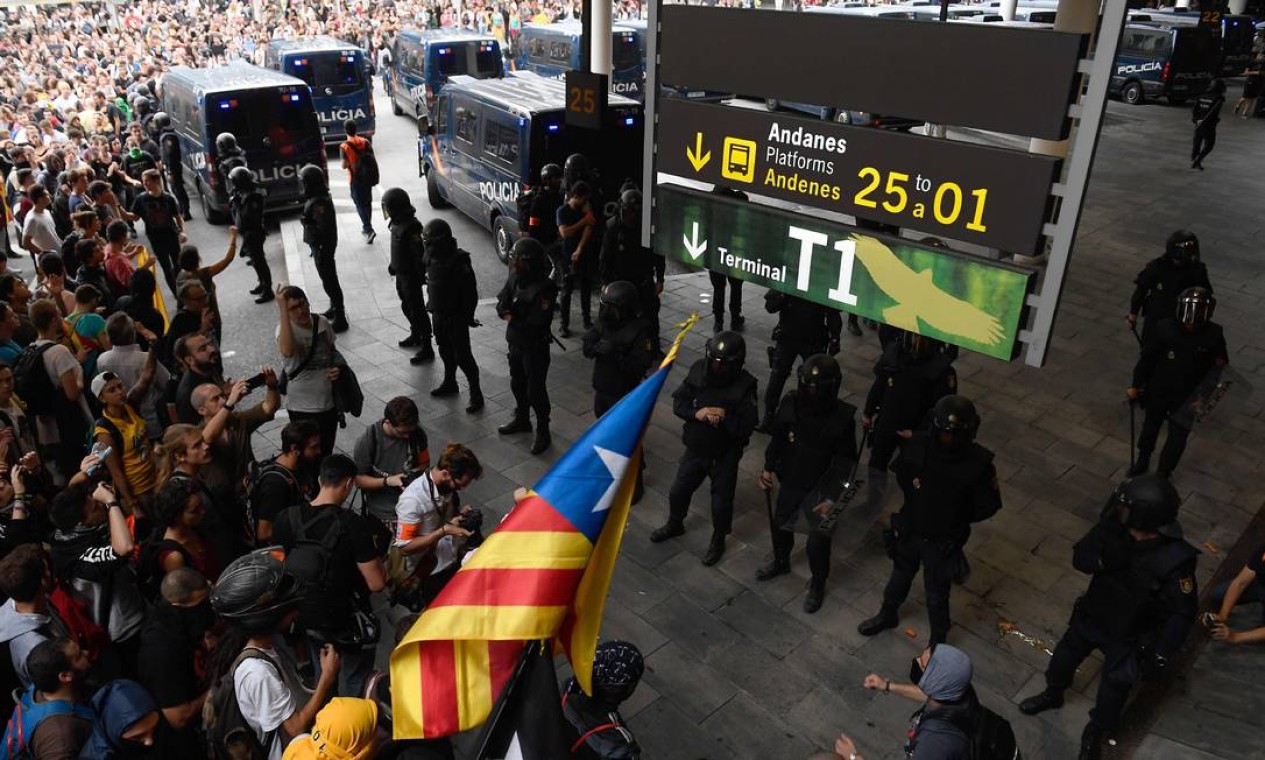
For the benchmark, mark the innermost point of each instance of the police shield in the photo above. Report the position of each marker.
(826, 501)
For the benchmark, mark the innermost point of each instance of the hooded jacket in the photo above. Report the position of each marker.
(116, 706)
(22, 631)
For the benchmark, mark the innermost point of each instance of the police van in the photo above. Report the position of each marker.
(1162, 60)
(271, 115)
(490, 138)
(551, 50)
(337, 72)
(1237, 34)
(422, 60)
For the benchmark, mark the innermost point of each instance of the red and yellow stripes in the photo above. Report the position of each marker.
(443, 687)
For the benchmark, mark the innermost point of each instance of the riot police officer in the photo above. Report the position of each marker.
(949, 482)
(320, 232)
(625, 258)
(1180, 364)
(909, 378)
(717, 400)
(408, 267)
(1140, 604)
(526, 303)
(1163, 280)
(542, 215)
(619, 344)
(173, 165)
(454, 297)
(144, 108)
(803, 329)
(813, 435)
(247, 206)
(228, 156)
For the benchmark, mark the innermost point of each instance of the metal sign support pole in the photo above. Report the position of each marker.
(650, 112)
(1072, 190)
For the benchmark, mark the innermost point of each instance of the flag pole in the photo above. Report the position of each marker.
(487, 733)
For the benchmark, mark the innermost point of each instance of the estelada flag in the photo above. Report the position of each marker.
(543, 574)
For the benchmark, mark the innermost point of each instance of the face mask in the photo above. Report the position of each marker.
(915, 671)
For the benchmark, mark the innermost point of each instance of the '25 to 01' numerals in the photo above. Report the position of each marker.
(946, 205)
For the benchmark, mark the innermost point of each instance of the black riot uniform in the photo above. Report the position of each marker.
(949, 482)
(625, 258)
(717, 400)
(542, 214)
(620, 344)
(1138, 608)
(1181, 362)
(172, 160)
(721, 281)
(228, 156)
(812, 435)
(247, 206)
(408, 266)
(454, 297)
(803, 329)
(320, 232)
(1164, 279)
(526, 303)
(909, 378)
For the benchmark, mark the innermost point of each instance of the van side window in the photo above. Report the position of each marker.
(560, 51)
(501, 142)
(467, 125)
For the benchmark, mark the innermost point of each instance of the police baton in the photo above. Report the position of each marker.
(1133, 328)
(1133, 414)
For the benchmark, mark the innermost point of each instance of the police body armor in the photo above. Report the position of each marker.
(1162, 281)
(453, 288)
(169, 151)
(248, 212)
(603, 732)
(1186, 357)
(801, 324)
(624, 257)
(407, 249)
(813, 439)
(910, 387)
(1123, 600)
(701, 435)
(937, 488)
(531, 304)
(615, 369)
(321, 225)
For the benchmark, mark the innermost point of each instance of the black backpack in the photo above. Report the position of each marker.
(255, 473)
(312, 560)
(32, 383)
(993, 738)
(367, 174)
(228, 735)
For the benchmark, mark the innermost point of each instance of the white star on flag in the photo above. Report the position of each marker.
(616, 463)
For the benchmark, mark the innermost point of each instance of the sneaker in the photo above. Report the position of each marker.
(715, 549)
(667, 530)
(1039, 703)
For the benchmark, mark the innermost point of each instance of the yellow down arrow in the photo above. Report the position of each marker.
(698, 159)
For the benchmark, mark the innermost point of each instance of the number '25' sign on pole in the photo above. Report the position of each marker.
(963, 300)
(586, 99)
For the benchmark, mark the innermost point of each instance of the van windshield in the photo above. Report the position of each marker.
(284, 117)
(340, 70)
(482, 60)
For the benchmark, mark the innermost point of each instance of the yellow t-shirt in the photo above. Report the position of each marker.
(138, 464)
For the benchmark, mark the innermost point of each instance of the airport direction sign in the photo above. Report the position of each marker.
(989, 76)
(989, 196)
(963, 300)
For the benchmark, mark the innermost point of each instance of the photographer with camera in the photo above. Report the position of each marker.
(389, 455)
(431, 528)
(332, 551)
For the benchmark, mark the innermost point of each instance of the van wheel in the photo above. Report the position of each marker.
(432, 191)
(211, 214)
(502, 238)
(1132, 94)
(772, 104)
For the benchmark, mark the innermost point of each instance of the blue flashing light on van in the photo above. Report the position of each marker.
(270, 113)
(422, 61)
(338, 73)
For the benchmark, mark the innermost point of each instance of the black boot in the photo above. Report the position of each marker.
(412, 341)
(340, 323)
(719, 324)
(1091, 743)
(447, 388)
(886, 618)
(476, 401)
(778, 566)
(543, 439)
(1141, 465)
(1049, 699)
(814, 596)
(426, 354)
(266, 296)
(736, 322)
(670, 529)
(715, 549)
(520, 424)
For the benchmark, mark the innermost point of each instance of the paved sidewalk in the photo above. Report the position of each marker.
(735, 669)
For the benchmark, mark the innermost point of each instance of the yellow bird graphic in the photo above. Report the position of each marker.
(918, 297)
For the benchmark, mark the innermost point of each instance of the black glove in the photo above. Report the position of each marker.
(1152, 664)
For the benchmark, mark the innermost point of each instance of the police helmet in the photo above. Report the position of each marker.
(1195, 306)
(1182, 247)
(617, 669)
(577, 167)
(312, 177)
(256, 591)
(436, 230)
(725, 352)
(142, 105)
(955, 421)
(241, 178)
(160, 121)
(529, 251)
(225, 142)
(630, 202)
(820, 379)
(550, 172)
(397, 204)
(1147, 503)
(619, 301)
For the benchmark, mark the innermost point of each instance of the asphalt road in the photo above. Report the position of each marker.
(249, 328)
